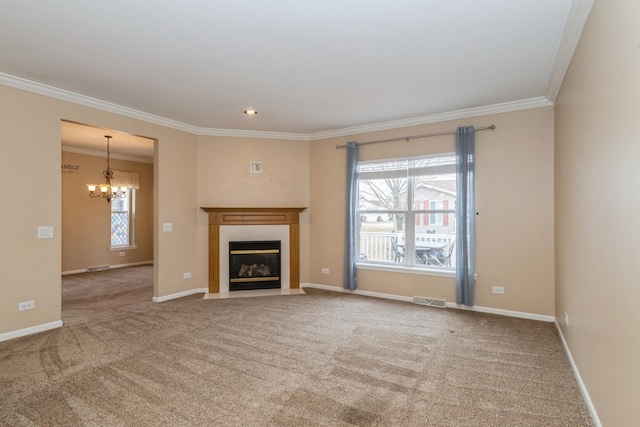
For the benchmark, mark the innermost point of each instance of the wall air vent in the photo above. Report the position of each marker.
(98, 268)
(432, 302)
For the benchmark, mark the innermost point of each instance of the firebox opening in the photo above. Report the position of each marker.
(254, 265)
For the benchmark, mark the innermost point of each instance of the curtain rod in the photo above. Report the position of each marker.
(407, 138)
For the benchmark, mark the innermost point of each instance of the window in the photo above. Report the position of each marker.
(435, 218)
(407, 211)
(122, 220)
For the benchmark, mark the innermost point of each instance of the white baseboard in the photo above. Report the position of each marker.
(480, 309)
(357, 292)
(583, 388)
(502, 312)
(111, 267)
(66, 273)
(132, 264)
(181, 294)
(29, 331)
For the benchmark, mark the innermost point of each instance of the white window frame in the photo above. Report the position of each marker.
(408, 264)
(131, 199)
(435, 217)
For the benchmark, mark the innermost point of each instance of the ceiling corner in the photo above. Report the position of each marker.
(576, 21)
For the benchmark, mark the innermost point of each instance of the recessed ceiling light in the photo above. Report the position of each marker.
(250, 112)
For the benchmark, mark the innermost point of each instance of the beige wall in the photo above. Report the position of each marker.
(86, 222)
(514, 198)
(224, 180)
(30, 268)
(30, 156)
(597, 210)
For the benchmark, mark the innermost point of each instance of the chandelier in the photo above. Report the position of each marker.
(107, 191)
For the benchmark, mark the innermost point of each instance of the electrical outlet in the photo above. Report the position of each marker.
(121, 253)
(167, 227)
(566, 319)
(26, 305)
(186, 275)
(498, 290)
(325, 271)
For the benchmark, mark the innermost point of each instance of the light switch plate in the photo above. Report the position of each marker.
(45, 232)
(167, 227)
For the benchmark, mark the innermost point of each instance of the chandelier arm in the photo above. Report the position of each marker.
(111, 192)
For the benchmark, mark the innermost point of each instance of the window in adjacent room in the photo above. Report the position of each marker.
(122, 220)
(407, 211)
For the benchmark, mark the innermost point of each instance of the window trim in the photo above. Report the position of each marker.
(122, 248)
(399, 268)
(131, 244)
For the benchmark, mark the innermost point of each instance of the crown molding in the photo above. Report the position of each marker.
(76, 98)
(94, 153)
(65, 95)
(252, 134)
(87, 101)
(466, 113)
(576, 21)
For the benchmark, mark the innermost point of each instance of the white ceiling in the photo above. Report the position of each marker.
(83, 139)
(308, 67)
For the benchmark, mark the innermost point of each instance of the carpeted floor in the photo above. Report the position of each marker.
(320, 359)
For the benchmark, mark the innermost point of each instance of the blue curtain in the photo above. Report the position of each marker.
(465, 215)
(350, 246)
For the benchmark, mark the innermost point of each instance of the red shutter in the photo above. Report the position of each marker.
(426, 215)
(445, 216)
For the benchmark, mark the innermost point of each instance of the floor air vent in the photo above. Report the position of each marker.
(98, 268)
(432, 302)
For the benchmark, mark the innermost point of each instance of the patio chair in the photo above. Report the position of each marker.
(446, 259)
(397, 252)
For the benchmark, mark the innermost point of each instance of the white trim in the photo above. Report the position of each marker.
(466, 113)
(357, 292)
(409, 270)
(65, 273)
(502, 312)
(181, 294)
(576, 372)
(490, 310)
(575, 23)
(234, 133)
(111, 267)
(104, 154)
(65, 95)
(76, 98)
(132, 264)
(31, 330)
(122, 248)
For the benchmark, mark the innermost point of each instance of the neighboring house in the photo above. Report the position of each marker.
(436, 195)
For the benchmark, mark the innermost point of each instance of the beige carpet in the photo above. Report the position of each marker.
(320, 359)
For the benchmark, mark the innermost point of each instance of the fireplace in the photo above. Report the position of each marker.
(254, 265)
(232, 217)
